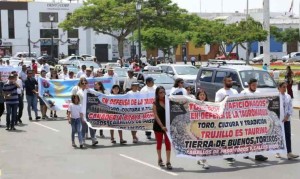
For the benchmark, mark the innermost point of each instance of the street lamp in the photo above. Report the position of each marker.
(51, 18)
(29, 47)
(237, 44)
(138, 9)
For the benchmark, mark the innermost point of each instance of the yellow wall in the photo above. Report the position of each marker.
(192, 50)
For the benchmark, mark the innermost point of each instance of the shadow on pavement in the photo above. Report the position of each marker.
(118, 145)
(237, 166)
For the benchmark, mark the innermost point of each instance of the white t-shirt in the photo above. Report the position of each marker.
(80, 73)
(147, 89)
(128, 81)
(247, 91)
(63, 76)
(131, 92)
(115, 78)
(222, 93)
(178, 91)
(20, 83)
(75, 110)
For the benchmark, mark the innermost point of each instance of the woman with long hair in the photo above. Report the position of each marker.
(159, 126)
(116, 90)
(289, 80)
(98, 86)
(178, 88)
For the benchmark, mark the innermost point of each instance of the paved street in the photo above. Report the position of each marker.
(43, 150)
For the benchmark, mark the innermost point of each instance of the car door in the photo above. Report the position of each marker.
(171, 72)
(205, 80)
(297, 57)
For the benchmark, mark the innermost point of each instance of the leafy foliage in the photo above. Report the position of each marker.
(287, 35)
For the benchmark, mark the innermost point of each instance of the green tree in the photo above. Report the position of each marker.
(286, 36)
(217, 32)
(118, 18)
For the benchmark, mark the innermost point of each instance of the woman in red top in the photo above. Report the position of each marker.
(34, 67)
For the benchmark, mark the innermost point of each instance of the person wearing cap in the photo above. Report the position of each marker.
(134, 90)
(81, 72)
(129, 80)
(149, 88)
(12, 101)
(111, 73)
(99, 73)
(31, 94)
(87, 74)
(64, 75)
(20, 97)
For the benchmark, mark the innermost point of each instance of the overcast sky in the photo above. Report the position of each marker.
(235, 5)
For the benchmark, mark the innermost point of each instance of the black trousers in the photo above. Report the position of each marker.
(193, 63)
(21, 106)
(287, 131)
(1, 109)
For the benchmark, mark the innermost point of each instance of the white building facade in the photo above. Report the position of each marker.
(24, 23)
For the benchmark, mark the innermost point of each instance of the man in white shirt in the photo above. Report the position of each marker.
(64, 75)
(20, 96)
(87, 74)
(221, 94)
(45, 66)
(80, 73)
(129, 80)
(251, 90)
(134, 90)
(149, 88)
(288, 111)
(48, 75)
(23, 74)
(110, 73)
(226, 90)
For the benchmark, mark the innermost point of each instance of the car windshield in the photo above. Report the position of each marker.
(121, 72)
(186, 70)
(162, 78)
(264, 80)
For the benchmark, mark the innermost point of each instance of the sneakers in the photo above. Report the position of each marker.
(203, 163)
(94, 143)
(37, 118)
(277, 155)
(291, 156)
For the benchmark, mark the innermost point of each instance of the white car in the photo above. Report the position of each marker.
(24, 55)
(69, 59)
(87, 57)
(187, 72)
(111, 65)
(292, 57)
(260, 58)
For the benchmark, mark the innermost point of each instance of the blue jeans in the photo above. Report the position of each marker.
(76, 127)
(11, 115)
(31, 103)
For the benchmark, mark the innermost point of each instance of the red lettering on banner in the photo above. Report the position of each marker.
(133, 102)
(256, 131)
(104, 100)
(148, 101)
(246, 104)
(149, 115)
(121, 102)
(132, 117)
(104, 116)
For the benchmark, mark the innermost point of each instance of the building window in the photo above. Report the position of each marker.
(44, 16)
(11, 24)
(73, 33)
(47, 33)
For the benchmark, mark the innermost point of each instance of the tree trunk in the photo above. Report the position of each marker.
(248, 51)
(121, 47)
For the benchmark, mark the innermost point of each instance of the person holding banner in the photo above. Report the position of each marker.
(116, 90)
(178, 88)
(159, 126)
(288, 111)
(20, 95)
(43, 106)
(64, 75)
(80, 73)
(98, 86)
(134, 90)
(110, 73)
(220, 96)
(129, 80)
(252, 86)
(54, 75)
(75, 118)
(202, 96)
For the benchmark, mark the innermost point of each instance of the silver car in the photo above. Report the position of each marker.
(292, 57)
(210, 78)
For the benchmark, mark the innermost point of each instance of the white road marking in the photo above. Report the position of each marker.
(55, 130)
(149, 165)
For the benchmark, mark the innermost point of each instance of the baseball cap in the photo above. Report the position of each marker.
(149, 79)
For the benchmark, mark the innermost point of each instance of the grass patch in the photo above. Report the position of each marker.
(280, 67)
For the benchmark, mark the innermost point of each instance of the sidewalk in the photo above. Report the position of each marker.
(296, 100)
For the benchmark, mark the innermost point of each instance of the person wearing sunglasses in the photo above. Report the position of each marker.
(178, 88)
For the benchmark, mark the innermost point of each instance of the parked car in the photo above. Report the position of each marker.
(111, 65)
(28, 63)
(49, 60)
(88, 57)
(231, 56)
(79, 63)
(69, 59)
(260, 58)
(210, 78)
(187, 72)
(292, 57)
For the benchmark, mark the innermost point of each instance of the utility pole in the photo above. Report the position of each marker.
(266, 25)
(248, 47)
